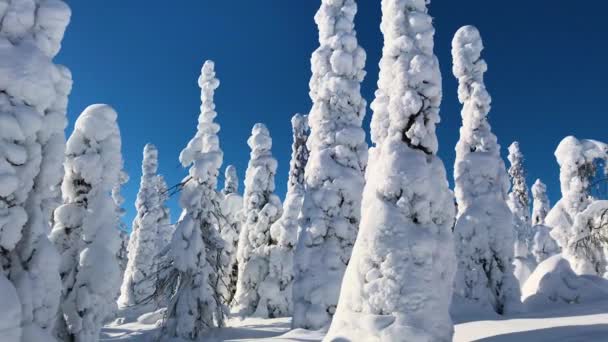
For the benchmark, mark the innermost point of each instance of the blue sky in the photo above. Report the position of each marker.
(547, 72)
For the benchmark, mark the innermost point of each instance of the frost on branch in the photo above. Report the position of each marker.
(85, 230)
(331, 209)
(398, 284)
(484, 228)
(258, 290)
(33, 101)
(196, 305)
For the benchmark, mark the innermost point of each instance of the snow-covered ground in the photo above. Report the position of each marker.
(565, 324)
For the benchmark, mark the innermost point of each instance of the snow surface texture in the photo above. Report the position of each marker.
(85, 230)
(484, 229)
(554, 283)
(334, 174)
(576, 159)
(33, 101)
(586, 248)
(398, 284)
(196, 306)
(139, 280)
(259, 290)
(519, 201)
(232, 206)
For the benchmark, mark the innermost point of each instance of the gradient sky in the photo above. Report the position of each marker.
(547, 72)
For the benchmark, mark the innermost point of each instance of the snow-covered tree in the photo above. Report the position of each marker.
(283, 233)
(331, 209)
(587, 249)
(484, 228)
(139, 282)
(123, 251)
(256, 293)
(196, 306)
(232, 205)
(519, 201)
(85, 230)
(577, 161)
(398, 284)
(165, 228)
(540, 203)
(543, 245)
(231, 181)
(33, 101)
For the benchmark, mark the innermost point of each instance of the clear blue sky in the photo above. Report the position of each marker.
(547, 72)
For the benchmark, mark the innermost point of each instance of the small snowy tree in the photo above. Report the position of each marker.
(33, 101)
(196, 305)
(543, 245)
(519, 201)
(587, 249)
(331, 209)
(139, 281)
(123, 254)
(398, 284)
(540, 203)
(85, 230)
(231, 181)
(577, 161)
(484, 228)
(255, 294)
(232, 205)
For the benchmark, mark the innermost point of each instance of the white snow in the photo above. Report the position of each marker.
(334, 174)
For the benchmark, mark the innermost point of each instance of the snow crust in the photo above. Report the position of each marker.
(334, 174)
(398, 284)
(484, 228)
(554, 283)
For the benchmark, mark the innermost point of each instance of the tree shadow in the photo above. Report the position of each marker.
(574, 333)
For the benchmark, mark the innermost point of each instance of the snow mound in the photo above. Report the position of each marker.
(554, 283)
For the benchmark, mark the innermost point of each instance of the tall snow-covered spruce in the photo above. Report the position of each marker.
(232, 205)
(543, 245)
(484, 228)
(139, 281)
(33, 101)
(519, 201)
(196, 305)
(283, 233)
(85, 230)
(398, 284)
(257, 291)
(334, 174)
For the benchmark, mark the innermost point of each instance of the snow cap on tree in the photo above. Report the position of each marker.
(335, 170)
(257, 291)
(484, 228)
(85, 230)
(540, 203)
(231, 181)
(400, 275)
